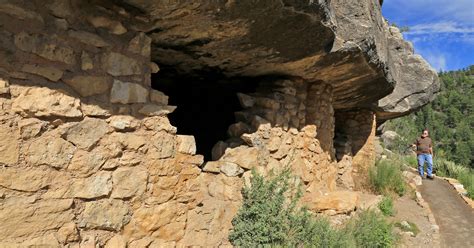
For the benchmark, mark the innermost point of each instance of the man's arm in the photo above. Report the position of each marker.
(431, 148)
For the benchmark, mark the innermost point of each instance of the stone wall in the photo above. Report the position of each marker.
(286, 124)
(89, 158)
(355, 146)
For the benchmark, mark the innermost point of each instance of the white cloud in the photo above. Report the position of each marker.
(441, 27)
(436, 60)
(441, 10)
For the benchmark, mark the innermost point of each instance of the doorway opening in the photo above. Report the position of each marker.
(206, 102)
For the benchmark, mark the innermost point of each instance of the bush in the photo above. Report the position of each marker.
(269, 216)
(371, 230)
(464, 174)
(387, 177)
(386, 206)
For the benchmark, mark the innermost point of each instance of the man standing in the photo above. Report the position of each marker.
(424, 152)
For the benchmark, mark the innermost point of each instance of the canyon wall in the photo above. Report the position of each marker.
(89, 157)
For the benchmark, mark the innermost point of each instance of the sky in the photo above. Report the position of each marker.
(442, 31)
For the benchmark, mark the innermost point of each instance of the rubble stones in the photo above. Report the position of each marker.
(86, 133)
(105, 215)
(129, 182)
(51, 151)
(117, 64)
(9, 146)
(50, 73)
(124, 92)
(51, 103)
(89, 85)
(45, 47)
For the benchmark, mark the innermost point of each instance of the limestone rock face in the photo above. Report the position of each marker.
(346, 44)
(50, 73)
(129, 182)
(417, 83)
(105, 215)
(9, 148)
(123, 92)
(87, 133)
(51, 151)
(51, 103)
(117, 64)
(45, 47)
(31, 219)
(89, 158)
(89, 85)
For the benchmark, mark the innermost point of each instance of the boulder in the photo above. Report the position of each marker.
(186, 144)
(338, 201)
(245, 157)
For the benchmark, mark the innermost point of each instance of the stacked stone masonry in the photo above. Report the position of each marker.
(89, 158)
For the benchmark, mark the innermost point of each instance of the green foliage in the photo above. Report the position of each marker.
(269, 216)
(449, 118)
(402, 29)
(386, 206)
(371, 230)
(411, 227)
(386, 177)
(464, 174)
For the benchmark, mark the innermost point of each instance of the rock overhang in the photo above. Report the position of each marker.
(346, 45)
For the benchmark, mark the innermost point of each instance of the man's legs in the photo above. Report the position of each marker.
(421, 162)
(429, 160)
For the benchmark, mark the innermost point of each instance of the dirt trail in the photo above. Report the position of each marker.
(454, 217)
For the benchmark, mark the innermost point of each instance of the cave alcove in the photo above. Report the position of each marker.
(206, 102)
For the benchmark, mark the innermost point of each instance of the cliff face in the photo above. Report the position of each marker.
(88, 154)
(346, 44)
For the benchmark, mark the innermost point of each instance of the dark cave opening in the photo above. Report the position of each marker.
(206, 102)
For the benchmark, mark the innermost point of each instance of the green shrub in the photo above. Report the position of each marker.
(269, 216)
(467, 180)
(386, 177)
(411, 161)
(371, 230)
(464, 174)
(386, 206)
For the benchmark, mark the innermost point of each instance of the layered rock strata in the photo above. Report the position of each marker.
(89, 158)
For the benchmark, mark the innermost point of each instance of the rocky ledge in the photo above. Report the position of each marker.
(346, 44)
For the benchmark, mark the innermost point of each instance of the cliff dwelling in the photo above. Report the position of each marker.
(136, 123)
(207, 106)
